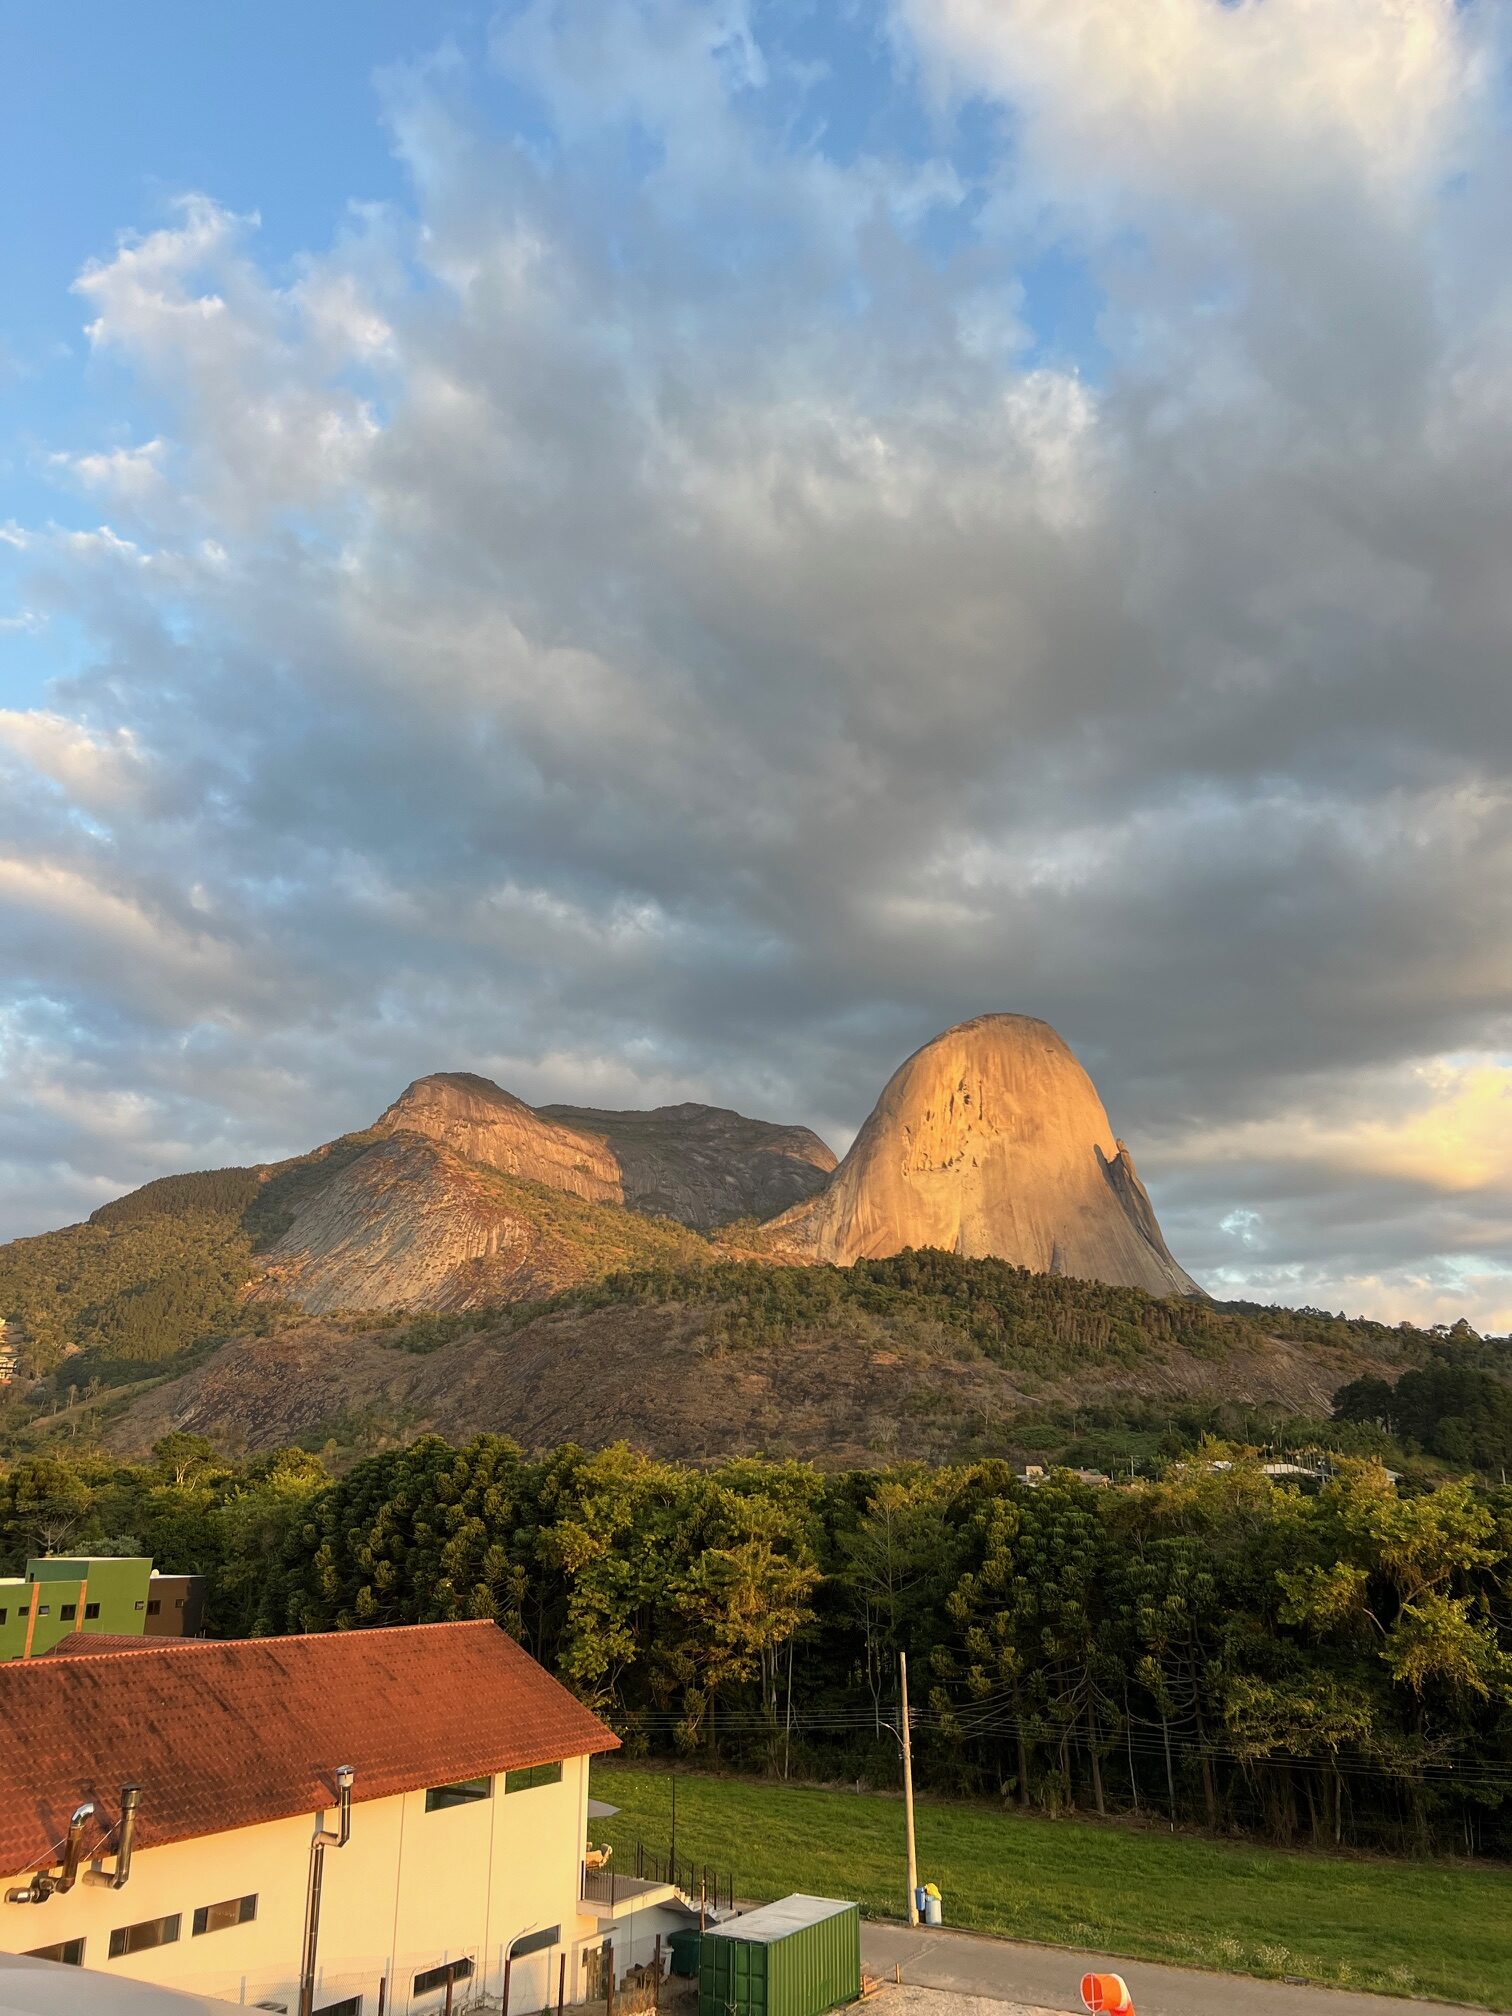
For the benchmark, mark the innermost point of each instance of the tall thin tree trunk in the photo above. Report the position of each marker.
(1097, 1781)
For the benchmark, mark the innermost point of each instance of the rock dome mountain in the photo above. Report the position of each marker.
(991, 1141)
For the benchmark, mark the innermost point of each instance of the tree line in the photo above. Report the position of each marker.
(1331, 1665)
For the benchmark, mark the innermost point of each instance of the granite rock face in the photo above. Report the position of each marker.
(705, 1165)
(481, 1122)
(438, 1205)
(991, 1141)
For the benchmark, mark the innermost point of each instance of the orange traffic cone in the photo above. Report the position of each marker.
(1107, 1995)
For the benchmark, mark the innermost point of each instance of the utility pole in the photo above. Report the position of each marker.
(908, 1813)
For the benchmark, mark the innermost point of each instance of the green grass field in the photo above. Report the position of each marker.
(1434, 1929)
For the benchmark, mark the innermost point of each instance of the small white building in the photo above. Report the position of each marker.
(358, 1818)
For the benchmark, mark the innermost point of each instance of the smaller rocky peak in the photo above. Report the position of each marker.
(483, 1123)
(447, 1092)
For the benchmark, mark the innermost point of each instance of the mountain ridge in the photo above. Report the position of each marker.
(989, 1141)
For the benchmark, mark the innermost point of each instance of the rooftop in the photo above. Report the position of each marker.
(775, 1921)
(226, 1734)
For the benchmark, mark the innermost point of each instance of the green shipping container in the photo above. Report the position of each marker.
(798, 1957)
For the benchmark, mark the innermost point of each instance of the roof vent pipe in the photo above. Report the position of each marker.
(322, 1839)
(43, 1885)
(131, 1798)
(125, 1833)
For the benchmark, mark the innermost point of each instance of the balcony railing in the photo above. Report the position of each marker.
(699, 1882)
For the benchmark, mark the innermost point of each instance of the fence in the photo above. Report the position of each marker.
(696, 1880)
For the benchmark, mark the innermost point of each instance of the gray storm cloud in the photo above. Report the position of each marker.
(675, 633)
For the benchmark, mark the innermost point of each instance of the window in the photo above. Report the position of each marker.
(138, 1603)
(462, 1794)
(44, 1609)
(2, 1613)
(91, 1609)
(536, 1774)
(153, 1607)
(140, 1938)
(536, 1942)
(437, 1977)
(216, 1917)
(351, 2007)
(178, 1602)
(69, 1954)
(68, 1612)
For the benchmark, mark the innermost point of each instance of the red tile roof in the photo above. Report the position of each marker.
(87, 1643)
(223, 1734)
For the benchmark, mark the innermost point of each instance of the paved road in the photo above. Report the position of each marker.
(1050, 1978)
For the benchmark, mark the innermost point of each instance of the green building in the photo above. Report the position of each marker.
(60, 1594)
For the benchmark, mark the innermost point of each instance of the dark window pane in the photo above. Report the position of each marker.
(462, 1794)
(537, 1942)
(532, 1775)
(140, 1938)
(351, 2007)
(68, 1612)
(153, 1607)
(70, 1953)
(437, 1977)
(217, 1917)
(91, 1609)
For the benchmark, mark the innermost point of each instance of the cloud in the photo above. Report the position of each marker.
(659, 616)
(128, 473)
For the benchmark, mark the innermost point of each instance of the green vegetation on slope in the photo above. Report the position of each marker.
(1009, 1314)
(130, 1294)
(596, 1238)
(1428, 1929)
(1445, 1409)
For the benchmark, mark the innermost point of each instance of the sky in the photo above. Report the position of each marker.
(659, 550)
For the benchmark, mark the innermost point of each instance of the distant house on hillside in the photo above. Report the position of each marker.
(96, 1595)
(343, 1822)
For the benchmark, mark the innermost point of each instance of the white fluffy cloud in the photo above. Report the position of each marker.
(654, 620)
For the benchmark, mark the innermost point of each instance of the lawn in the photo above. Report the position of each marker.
(1435, 1929)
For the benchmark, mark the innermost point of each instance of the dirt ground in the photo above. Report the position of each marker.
(892, 1999)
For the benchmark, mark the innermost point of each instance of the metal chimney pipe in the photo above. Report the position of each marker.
(44, 1884)
(131, 1798)
(323, 1839)
(73, 1847)
(125, 1833)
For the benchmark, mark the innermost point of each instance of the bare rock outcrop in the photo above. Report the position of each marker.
(481, 1122)
(407, 1225)
(991, 1141)
(704, 1165)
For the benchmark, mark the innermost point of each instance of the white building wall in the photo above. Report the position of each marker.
(410, 1890)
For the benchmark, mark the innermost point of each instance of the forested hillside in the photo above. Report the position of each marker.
(135, 1292)
(1334, 1666)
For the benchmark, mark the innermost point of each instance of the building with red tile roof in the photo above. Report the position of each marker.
(466, 1812)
